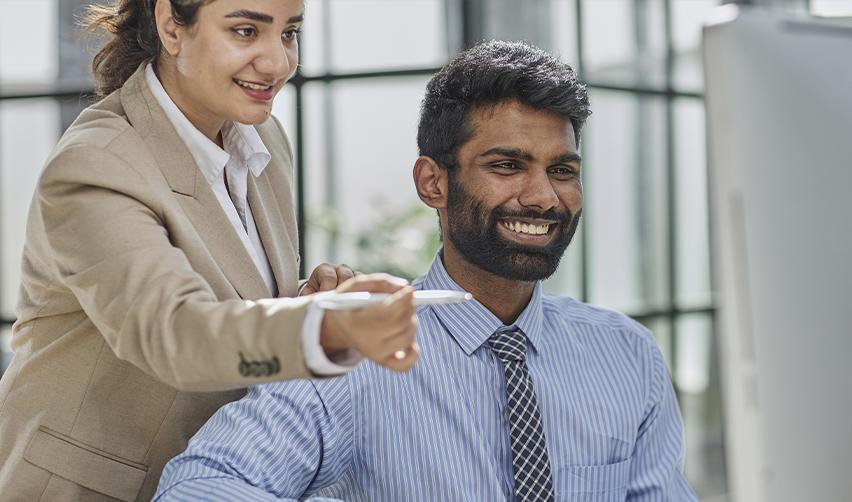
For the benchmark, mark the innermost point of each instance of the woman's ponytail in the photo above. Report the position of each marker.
(134, 40)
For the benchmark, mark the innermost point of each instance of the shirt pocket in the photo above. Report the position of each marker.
(593, 483)
(88, 467)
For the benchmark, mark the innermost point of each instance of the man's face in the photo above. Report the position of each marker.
(515, 197)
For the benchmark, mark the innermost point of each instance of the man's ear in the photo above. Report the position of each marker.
(169, 31)
(430, 179)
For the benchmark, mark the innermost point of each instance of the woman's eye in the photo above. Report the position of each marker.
(291, 35)
(245, 32)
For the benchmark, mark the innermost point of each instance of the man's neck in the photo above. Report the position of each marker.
(505, 298)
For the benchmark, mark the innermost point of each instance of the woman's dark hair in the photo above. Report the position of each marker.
(488, 74)
(134, 38)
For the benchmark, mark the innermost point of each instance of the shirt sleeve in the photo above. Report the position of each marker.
(656, 472)
(315, 358)
(275, 444)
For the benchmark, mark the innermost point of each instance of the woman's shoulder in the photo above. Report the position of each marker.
(101, 141)
(98, 125)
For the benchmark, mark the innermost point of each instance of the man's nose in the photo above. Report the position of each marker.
(538, 192)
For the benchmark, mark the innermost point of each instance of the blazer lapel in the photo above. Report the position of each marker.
(270, 227)
(194, 194)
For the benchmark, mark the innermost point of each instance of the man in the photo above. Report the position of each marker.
(517, 395)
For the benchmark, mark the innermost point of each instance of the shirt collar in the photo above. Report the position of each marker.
(470, 323)
(244, 142)
(240, 140)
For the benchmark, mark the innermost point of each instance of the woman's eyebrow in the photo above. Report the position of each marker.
(253, 15)
(263, 18)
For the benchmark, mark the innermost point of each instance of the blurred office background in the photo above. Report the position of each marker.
(351, 112)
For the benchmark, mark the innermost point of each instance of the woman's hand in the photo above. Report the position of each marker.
(327, 277)
(384, 333)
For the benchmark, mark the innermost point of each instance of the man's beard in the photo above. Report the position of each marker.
(472, 229)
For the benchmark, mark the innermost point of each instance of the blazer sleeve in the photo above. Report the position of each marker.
(105, 233)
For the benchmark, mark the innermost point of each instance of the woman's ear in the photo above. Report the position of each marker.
(169, 31)
(430, 179)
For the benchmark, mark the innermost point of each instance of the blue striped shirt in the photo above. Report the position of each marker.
(440, 431)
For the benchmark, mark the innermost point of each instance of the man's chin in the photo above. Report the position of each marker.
(526, 266)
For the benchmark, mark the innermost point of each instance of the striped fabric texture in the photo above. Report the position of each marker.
(441, 431)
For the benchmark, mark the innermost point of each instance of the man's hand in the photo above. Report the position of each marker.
(384, 333)
(327, 277)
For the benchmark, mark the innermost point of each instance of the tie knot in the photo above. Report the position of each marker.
(509, 345)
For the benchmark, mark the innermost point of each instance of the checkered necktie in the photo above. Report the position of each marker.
(533, 482)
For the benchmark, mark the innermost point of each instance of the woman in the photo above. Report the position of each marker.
(161, 222)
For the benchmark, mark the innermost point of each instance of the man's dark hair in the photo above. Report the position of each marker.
(485, 75)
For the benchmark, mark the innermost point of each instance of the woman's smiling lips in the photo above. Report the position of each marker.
(256, 90)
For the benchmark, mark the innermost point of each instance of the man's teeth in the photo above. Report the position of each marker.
(255, 87)
(526, 228)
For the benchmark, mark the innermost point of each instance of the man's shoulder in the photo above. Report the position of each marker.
(571, 311)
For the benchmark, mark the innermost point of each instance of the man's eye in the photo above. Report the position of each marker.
(245, 32)
(505, 165)
(563, 172)
(291, 35)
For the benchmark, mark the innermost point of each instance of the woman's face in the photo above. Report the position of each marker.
(234, 59)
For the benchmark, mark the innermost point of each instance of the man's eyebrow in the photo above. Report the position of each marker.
(567, 158)
(515, 153)
(263, 18)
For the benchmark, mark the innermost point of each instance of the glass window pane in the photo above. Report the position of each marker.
(313, 46)
(624, 42)
(284, 109)
(538, 22)
(693, 246)
(361, 198)
(29, 130)
(697, 378)
(625, 201)
(661, 328)
(319, 193)
(609, 21)
(568, 279)
(688, 17)
(28, 42)
(693, 353)
(76, 46)
(563, 28)
(831, 8)
(358, 35)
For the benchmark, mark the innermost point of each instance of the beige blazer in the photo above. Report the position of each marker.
(134, 298)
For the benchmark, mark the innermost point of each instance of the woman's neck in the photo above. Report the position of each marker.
(205, 121)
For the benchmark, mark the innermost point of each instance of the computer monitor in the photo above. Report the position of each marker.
(779, 117)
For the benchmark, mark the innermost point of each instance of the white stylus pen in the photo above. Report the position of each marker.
(349, 301)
